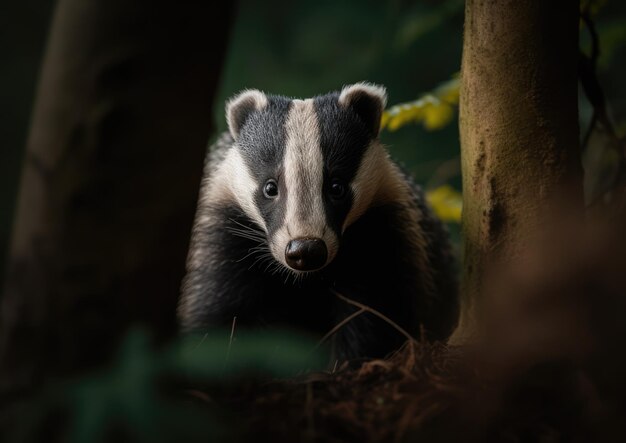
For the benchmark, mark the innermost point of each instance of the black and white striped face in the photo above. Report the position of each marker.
(304, 170)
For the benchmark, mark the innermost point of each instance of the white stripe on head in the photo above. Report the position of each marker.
(368, 182)
(244, 187)
(368, 102)
(303, 173)
(232, 181)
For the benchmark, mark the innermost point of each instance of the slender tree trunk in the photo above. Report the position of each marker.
(110, 181)
(519, 131)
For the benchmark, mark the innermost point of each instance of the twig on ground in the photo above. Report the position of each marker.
(201, 341)
(373, 311)
(362, 308)
(338, 326)
(230, 340)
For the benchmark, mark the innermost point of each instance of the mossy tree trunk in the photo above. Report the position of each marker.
(519, 132)
(109, 186)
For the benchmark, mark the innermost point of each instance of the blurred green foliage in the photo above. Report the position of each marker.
(157, 395)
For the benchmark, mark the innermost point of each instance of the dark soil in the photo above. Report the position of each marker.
(426, 392)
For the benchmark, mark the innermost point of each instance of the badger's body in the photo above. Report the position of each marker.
(300, 202)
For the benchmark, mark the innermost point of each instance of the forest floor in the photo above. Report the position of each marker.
(423, 392)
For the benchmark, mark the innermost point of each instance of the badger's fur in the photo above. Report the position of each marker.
(300, 201)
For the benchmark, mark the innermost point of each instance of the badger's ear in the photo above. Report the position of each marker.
(241, 106)
(367, 101)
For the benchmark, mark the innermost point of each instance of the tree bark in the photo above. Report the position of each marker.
(519, 132)
(110, 181)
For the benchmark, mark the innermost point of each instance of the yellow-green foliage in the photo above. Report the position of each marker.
(447, 203)
(434, 110)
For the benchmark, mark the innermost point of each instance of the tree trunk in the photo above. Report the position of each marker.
(519, 132)
(110, 181)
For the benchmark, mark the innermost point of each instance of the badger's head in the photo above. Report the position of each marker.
(306, 169)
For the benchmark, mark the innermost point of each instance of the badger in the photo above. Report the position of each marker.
(301, 208)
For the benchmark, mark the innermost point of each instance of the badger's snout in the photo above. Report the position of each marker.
(306, 254)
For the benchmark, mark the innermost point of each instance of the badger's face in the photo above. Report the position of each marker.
(306, 169)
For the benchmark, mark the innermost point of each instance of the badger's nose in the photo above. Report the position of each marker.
(306, 254)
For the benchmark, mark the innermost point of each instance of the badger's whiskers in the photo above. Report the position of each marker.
(256, 235)
(261, 255)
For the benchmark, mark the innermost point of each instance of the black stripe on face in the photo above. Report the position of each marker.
(262, 145)
(344, 139)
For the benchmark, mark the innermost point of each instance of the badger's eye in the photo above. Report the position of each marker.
(337, 189)
(270, 189)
